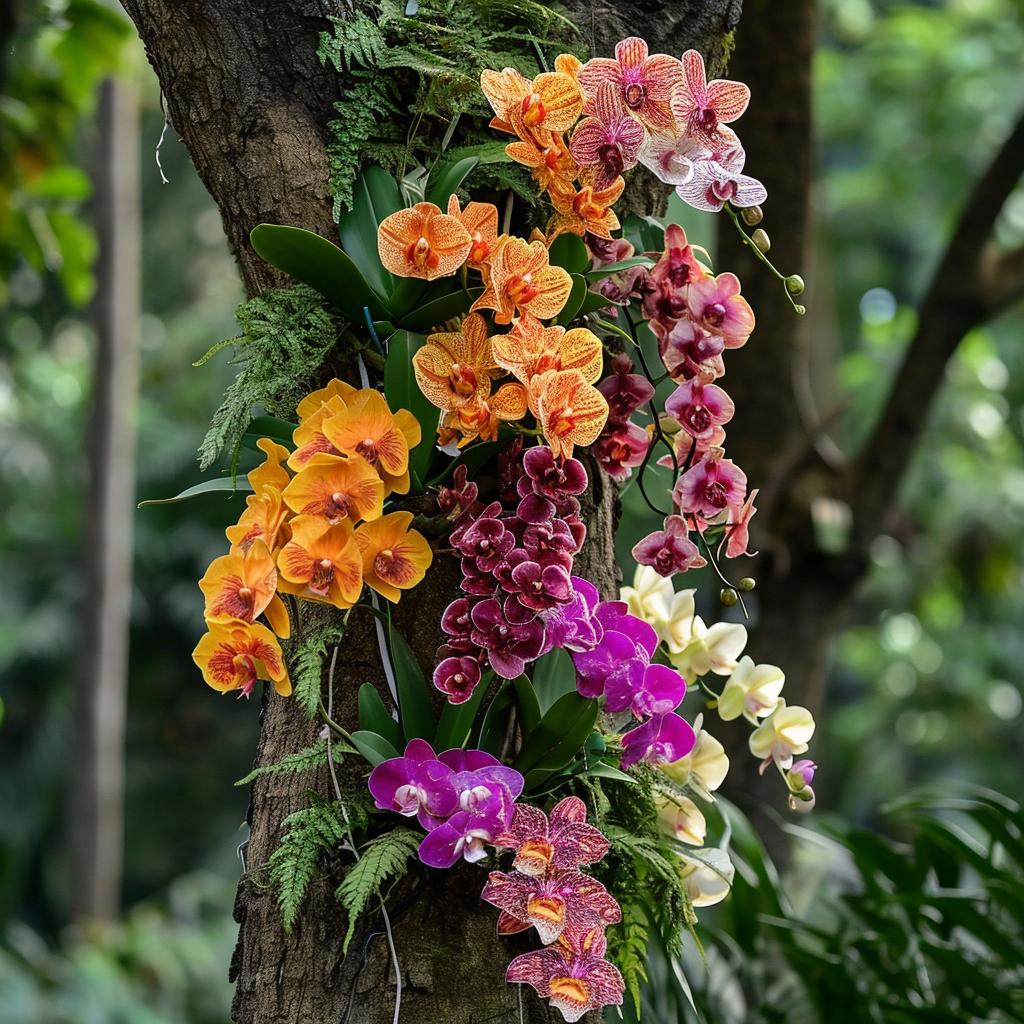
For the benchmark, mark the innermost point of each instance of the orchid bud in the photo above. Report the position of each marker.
(795, 284)
(669, 426)
(761, 240)
(802, 801)
(728, 597)
(747, 584)
(752, 216)
(681, 818)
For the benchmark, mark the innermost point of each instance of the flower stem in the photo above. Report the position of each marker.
(749, 243)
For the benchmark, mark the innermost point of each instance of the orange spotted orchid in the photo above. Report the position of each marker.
(569, 411)
(481, 417)
(234, 654)
(521, 281)
(530, 349)
(481, 221)
(551, 102)
(394, 558)
(423, 242)
(587, 210)
(452, 369)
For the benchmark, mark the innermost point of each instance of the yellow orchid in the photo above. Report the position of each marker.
(696, 649)
(270, 473)
(243, 586)
(234, 654)
(321, 562)
(650, 596)
(336, 489)
(704, 769)
(785, 732)
(264, 516)
(315, 400)
(394, 558)
(680, 818)
(453, 369)
(708, 876)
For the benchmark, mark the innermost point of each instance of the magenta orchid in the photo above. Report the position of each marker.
(663, 739)
(699, 407)
(712, 485)
(716, 305)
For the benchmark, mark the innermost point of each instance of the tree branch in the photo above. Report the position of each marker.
(969, 287)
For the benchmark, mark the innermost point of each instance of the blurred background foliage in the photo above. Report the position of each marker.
(927, 681)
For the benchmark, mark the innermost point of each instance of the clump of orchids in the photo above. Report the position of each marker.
(541, 368)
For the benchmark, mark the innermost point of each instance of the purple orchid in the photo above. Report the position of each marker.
(561, 841)
(645, 690)
(465, 834)
(551, 478)
(551, 904)
(486, 542)
(625, 391)
(660, 740)
(415, 784)
(541, 587)
(509, 645)
(572, 626)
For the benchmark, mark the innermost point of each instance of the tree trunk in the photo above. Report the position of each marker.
(246, 93)
(97, 783)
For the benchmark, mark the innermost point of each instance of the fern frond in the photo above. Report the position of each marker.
(301, 761)
(386, 857)
(307, 663)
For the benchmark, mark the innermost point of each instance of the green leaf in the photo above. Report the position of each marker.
(408, 293)
(222, 484)
(553, 676)
(374, 716)
(527, 704)
(603, 770)
(560, 735)
(569, 252)
(434, 314)
(375, 196)
(495, 721)
(373, 747)
(592, 302)
(414, 708)
(320, 264)
(446, 179)
(614, 268)
(572, 305)
(402, 392)
(276, 429)
(457, 719)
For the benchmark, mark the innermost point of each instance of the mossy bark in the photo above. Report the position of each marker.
(248, 97)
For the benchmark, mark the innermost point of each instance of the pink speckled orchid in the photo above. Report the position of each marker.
(572, 974)
(642, 82)
(607, 141)
(561, 841)
(700, 106)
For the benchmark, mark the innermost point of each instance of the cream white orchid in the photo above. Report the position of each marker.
(784, 733)
(751, 691)
(681, 818)
(696, 649)
(704, 768)
(650, 596)
(708, 878)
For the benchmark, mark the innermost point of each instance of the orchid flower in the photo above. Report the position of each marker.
(716, 305)
(645, 690)
(423, 242)
(710, 486)
(321, 562)
(669, 550)
(751, 691)
(416, 784)
(662, 739)
(561, 841)
(244, 586)
(704, 769)
(336, 489)
(680, 818)
(607, 140)
(708, 876)
(551, 904)
(785, 732)
(649, 597)
(234, 654)
(572, 975)
(700, 106)
(395, 558)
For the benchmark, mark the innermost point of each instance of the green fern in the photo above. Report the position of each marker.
(383, 858)
(307, 664)
(286, 334)
(305, 836)
(435, 56)
(301, 761)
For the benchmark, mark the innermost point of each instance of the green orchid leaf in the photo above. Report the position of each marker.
(320, 264)
(222, 485)
(495, 721)
(374, 716)
(270, 426)
(614, 268)
(603, 770)
(553, 677)
(375, 195)
(436, 313)
(569, 252)
(445, 180)
(402, 392)
(527, 704)
(560, 735)
(408, 294)
(457, 719)
(414, 707)
(573, 304)
(373, 747)
(592, 302)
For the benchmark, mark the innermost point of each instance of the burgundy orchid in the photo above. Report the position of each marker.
(625, 391)
(509, 645)
(457, 678)
(621, 448)
(573, 974)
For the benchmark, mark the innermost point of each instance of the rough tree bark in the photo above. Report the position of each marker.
(246, 94)
(96, 810)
